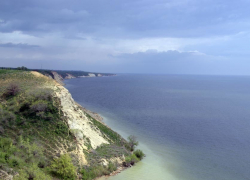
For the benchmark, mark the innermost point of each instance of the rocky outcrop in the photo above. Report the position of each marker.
(69, 76)
(58, 77)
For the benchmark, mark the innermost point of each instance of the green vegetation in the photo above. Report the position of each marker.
(22, 68)
(139, 154)
(132, 142)
(24, 156)
(64, 168)
(34, 133)
(110, 135)
(94, 171)
(31, 127)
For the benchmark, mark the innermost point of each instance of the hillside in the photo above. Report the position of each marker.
(45, 134)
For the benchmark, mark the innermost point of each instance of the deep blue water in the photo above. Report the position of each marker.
(197, 126)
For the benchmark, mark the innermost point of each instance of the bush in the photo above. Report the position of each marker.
(39, 106)
(89, 173)
(112, 167)
(5, 144)
(134, 159)
(7, 117)
(64, 168)
(40, 94)
(32, 173)
(61, 128)
(130, 160)
(139, 154)
(12, 90)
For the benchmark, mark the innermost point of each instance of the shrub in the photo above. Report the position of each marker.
(139, 154)
(89, 173)
(134, 159)
(40, 94)
(130, 160)
(64, 168)
(32, 173)
(7, 117)
(5, 144)
(112, 167)
(61, 128)
(39, 106)
(12, 90)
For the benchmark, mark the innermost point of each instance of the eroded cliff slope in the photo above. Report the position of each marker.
(41, 125)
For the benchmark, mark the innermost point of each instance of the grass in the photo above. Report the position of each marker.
(34, 115)
(33, 132)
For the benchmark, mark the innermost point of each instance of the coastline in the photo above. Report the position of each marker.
(99, 118)
(149, 167)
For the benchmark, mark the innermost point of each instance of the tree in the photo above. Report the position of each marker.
(22, 68)
(132, 142)
(64, 168)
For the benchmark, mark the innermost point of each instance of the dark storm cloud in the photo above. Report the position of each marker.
(124, 19)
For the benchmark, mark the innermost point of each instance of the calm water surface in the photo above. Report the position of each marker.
(191, 127)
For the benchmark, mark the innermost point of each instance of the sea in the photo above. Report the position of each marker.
(191, 127)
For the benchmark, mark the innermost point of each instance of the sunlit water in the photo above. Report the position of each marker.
(190, 127)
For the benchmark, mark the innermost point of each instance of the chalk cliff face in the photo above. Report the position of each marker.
(77, 120)
(58, 77)
(69, 76)
(91, 75)
(79, 124)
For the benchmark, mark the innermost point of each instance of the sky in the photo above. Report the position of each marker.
(132, 36)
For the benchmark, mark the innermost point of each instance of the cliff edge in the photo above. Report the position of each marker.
(42, 127)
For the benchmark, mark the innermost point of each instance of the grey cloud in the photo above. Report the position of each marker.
(84, 33)
(19, 45)
(125, 19)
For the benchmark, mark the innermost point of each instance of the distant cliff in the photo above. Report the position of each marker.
(60, 75)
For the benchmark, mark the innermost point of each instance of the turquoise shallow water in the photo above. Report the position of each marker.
(191, 127)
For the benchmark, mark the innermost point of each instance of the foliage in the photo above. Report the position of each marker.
(106, 151)
(32, 129)
(23, 157)
(11, 90)
(64, 168)
(6, 117)
(139, 154)
(22, 68)
(32, 172)
(94, 171)
(132, 142)
(61, 128)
